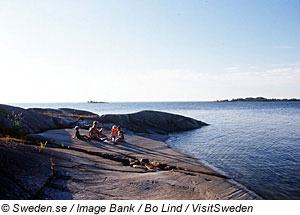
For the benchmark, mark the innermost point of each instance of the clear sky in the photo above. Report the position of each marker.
(140, 50)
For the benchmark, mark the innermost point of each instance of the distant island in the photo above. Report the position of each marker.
(91, 101)
(259, 99)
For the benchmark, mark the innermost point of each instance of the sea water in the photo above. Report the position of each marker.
(255, 143)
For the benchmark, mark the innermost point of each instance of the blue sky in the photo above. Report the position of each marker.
(69, 51)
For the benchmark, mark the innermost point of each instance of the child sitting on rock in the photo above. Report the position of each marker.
(114, 133)
(120, 137)
(79, 136)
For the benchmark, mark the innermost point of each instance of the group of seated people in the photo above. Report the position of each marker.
(97, 134)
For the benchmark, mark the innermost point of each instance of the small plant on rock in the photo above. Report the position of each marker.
(16, 120)
(42, 146)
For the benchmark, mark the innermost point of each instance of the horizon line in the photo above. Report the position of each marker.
(103, 102)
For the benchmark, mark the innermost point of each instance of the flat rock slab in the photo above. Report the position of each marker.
(24, 170)
(135, 147)
(97, 170)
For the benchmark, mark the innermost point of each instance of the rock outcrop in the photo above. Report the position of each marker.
(152, 122)
(24, 170)
(139, 168)
(67, 117)
(19, 121)
(50, 164)
(62, 111)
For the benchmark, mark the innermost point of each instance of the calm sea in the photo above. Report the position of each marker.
(257, 144)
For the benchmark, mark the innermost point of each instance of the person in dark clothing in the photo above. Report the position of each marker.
(79, 136)
(120, 137)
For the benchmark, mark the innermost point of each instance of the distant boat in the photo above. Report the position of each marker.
(91, 101)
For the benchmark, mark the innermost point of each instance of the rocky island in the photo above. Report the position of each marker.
(39, 159)
(92, 101)
(259, 99)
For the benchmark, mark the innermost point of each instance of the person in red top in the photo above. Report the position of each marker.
(114, 133)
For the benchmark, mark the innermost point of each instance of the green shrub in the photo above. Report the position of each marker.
(16, 120)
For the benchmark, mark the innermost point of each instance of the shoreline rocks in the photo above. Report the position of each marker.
(139, 168)
(18, 121)
(67, 168)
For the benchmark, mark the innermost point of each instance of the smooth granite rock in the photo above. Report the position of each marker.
(35, 120)
(67, 168)
(19, 121)
(67, 117)
(152, 122)
(139, 168)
